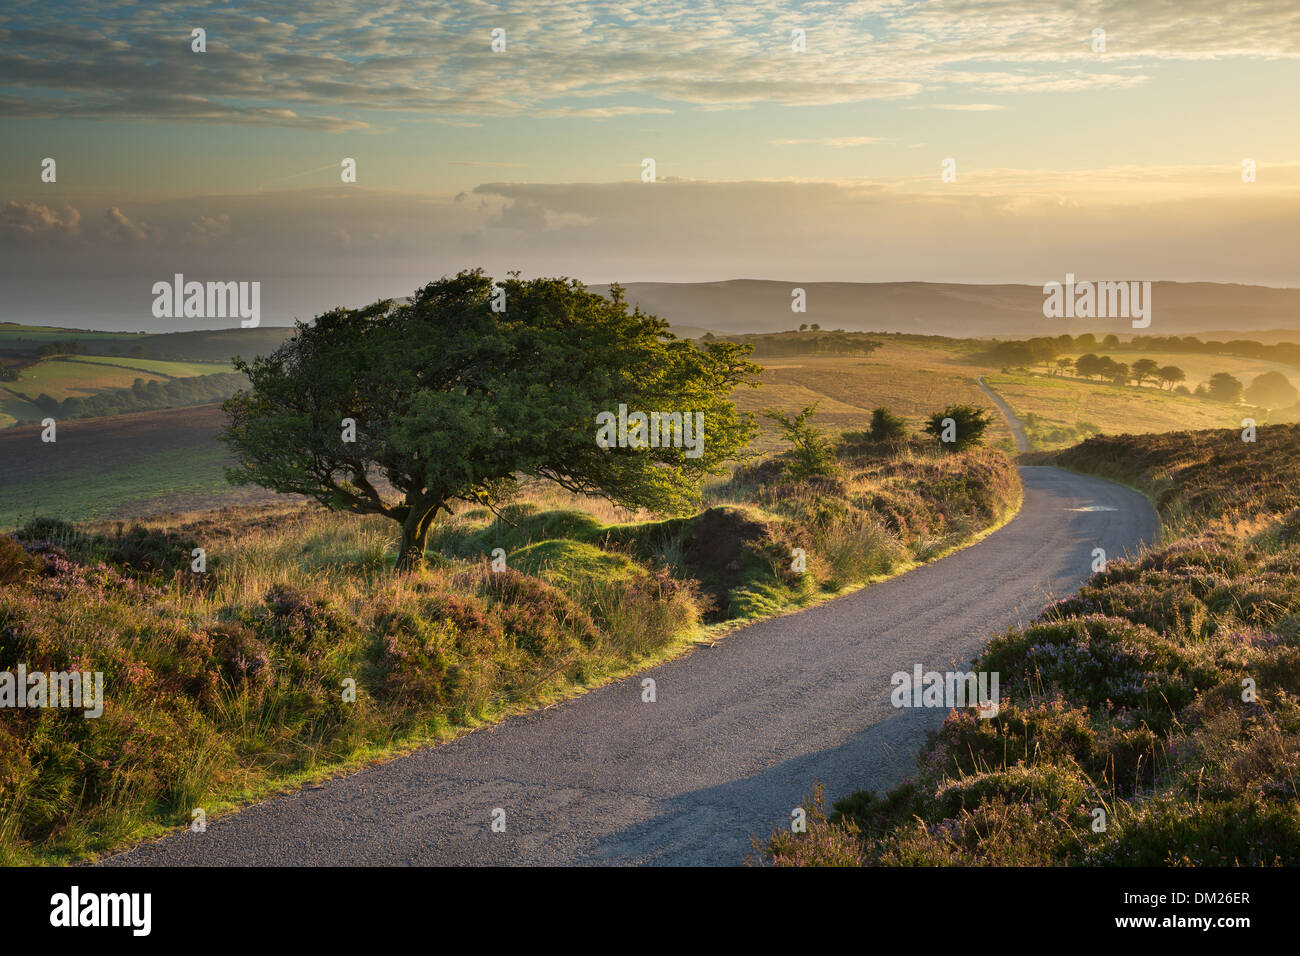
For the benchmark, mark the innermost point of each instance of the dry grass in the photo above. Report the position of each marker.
(1060, 411)
(911, 381)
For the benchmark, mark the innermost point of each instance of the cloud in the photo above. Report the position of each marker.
(332, 67)
(600, 112)
(33, 220)
(315, 249)
(208, 229)
(120, 227)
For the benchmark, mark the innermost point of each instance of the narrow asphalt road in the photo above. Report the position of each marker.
(734, 741)
(1016, 425)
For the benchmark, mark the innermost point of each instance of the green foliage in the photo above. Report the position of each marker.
(967, 428)
(886, 426)
(810, 453)
(144, 396)
(452, 401)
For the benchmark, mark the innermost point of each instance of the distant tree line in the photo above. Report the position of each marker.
(145, 396)
(807, 340)
(1044, 349)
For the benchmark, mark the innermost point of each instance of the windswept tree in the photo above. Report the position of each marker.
(404, 409)
(1171, 375)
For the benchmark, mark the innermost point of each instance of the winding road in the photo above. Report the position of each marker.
(737, 735)
(1016, 425)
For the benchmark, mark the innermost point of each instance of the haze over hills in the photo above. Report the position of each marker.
(935, 308)
(1210, 310)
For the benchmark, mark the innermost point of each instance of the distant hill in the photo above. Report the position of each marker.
(217, 345)
(938, 308)
(1207, 309)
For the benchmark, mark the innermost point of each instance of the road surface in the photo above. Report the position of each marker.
(738, 733)
(1016, 425)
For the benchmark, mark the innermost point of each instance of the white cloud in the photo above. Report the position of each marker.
(321, 68)
(33, 220)
(118, 225)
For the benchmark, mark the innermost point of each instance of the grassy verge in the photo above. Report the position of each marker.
(224, 686)
(1162, 700)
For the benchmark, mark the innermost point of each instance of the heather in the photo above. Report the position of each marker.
(297, 651)
(1150, 719)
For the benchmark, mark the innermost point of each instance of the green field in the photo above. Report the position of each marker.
(31, 337)
(216, 345)
(63, 377)
(170, 369)
(1062, 411)
(168, 479)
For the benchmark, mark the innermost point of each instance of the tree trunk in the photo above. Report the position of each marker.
(415, 534)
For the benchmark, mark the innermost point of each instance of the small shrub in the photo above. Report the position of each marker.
(886, 426)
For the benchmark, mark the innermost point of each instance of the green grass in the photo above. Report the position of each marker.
(64, 377)
(170, 369)
(89, 492)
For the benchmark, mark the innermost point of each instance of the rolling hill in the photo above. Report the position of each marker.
(935, 308)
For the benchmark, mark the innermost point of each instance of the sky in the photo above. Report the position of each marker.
(1105, 139)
